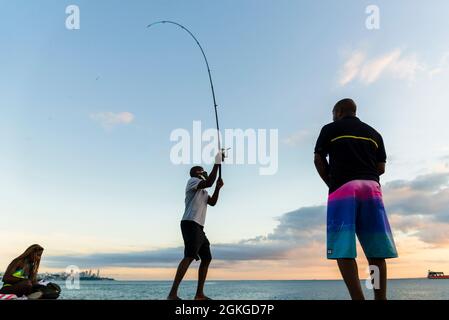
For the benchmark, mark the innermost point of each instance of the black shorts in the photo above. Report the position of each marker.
(196, 244)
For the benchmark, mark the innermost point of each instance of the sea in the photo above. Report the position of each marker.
(400, 289)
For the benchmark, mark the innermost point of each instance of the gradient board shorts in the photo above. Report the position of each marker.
(356, 208)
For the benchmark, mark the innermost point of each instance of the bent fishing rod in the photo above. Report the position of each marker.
(210, 78)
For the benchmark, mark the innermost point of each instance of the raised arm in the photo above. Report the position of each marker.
(212, 201)
(209, 182)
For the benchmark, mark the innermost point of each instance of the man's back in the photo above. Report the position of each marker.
(354, 150)
(355, 209)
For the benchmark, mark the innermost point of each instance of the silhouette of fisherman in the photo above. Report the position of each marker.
(356, 161)
(197, 245)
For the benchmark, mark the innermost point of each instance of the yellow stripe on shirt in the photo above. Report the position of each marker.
(356, 137)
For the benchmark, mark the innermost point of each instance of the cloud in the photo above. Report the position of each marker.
(442, 65)
(417, 208)
(426, 195)
(368, 70)
(429, 182)
(428, 231)
(297, 138)
(300, 227)
(110, 119)
(351, 68)
(304, 225)
(420, 207)
(169, 257)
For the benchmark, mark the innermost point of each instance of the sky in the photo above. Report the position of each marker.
(87, 116)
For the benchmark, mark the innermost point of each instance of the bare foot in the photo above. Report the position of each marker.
(202, 297)
(173, 298)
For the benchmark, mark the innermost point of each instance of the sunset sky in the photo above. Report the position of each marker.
(87, 115)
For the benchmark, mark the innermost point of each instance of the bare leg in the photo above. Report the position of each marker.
(381, 292)
(180, 273)
(202, 274)
(350, 273)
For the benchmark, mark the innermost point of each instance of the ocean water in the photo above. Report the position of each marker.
(404, 289)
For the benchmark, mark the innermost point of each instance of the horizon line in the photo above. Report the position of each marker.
(211, 280)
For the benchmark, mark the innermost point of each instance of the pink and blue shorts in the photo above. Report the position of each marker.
(356, 208)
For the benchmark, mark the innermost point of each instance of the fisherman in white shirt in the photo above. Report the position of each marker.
(196, 244)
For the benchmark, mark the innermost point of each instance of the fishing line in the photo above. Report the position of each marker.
(209, 73)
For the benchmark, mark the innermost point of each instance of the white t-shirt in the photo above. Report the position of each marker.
(196, 202)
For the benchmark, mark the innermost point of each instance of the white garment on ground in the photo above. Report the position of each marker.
(43, 282)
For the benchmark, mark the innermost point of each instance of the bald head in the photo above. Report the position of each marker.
(344, 108)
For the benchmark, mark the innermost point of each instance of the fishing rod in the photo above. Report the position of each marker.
(210, 79)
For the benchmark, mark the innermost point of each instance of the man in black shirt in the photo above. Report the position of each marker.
(356, 160)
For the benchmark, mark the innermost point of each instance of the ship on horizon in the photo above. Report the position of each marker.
(436, 275)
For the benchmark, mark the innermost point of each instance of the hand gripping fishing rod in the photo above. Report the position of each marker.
(210, 78)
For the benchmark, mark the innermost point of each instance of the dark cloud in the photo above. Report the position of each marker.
(295, 228)
(153, 258)
(421, 207)
(425, 195)
(163, 258)
(407, 201)
(427, 183)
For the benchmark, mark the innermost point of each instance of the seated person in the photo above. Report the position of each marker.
(21, 274)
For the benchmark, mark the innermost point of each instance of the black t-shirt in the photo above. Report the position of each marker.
(354, 150)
